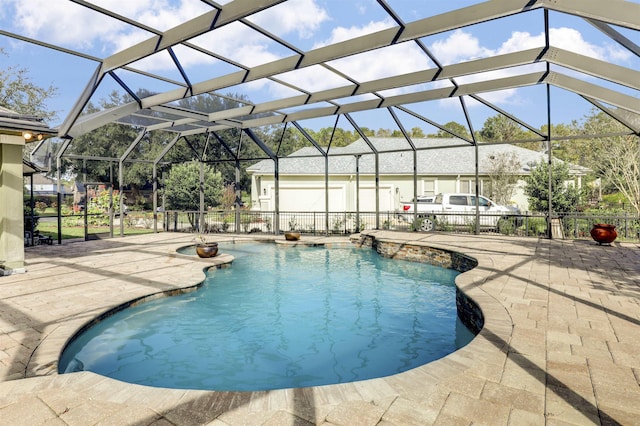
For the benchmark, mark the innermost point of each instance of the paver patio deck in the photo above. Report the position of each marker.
(561, 342)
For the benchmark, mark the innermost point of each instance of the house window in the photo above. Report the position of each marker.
(468, 185)
(428, 187)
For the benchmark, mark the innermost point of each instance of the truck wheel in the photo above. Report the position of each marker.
(427, 224)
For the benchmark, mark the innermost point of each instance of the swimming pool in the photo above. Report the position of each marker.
(280, 318)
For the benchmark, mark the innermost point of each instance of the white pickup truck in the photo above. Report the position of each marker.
(455, 209)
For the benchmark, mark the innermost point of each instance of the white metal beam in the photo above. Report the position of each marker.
(590, 90)
(617, 12)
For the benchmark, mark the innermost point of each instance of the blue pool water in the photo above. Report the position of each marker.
(280, 318)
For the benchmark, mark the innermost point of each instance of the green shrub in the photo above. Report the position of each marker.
(506, 226)
(27, 218)
(443, 224)
(536, 226)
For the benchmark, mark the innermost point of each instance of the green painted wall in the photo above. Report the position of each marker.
(11, 201)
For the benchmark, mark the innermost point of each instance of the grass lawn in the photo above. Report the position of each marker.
(51, 228)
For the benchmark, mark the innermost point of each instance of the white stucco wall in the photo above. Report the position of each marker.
(307, 193)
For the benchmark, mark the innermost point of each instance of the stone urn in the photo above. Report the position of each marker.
(206, 250)
(603, 233)
(292, 235)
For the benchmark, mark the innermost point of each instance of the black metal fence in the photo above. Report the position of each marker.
(578, 225)
(575, 225)
(527, 224)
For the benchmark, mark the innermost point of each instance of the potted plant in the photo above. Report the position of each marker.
(292, 234)
(603, 233)
(205, 248)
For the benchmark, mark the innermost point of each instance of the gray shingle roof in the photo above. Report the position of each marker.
(444, 157)
(12, 122)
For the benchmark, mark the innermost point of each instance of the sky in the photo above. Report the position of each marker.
(306, 24)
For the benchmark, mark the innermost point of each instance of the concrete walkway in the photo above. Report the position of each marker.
(561, 342)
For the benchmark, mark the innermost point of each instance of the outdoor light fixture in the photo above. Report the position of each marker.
(28, 136)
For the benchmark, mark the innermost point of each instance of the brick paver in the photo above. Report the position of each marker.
(561, 342)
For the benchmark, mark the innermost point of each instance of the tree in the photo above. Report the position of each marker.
(367, 131)
(417, 132)
(500, 128)
(574, 151)
(338, 137)
(182, 186)
(455, 128)
(228, 197)
(504, 169)
(565, 196)
(110, 140)
(621, 167)
(19, 94)
(616, 159)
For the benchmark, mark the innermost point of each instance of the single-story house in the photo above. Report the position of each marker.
(443, 165)
(44, 185)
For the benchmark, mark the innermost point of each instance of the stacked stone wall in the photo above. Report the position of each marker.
(468, 311)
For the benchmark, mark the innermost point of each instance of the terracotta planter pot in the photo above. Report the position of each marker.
(292, 235)
(207, 250)
(604, 233)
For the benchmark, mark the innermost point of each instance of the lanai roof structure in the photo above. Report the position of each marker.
(397, 70)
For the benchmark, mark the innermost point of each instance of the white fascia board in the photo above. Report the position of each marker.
(231, 113)
(427, 95)
(595, 67)
(349, 47)
(470, 15)
(228, 80)
(169, 124)
(616, 12)
(280, 104)
(167, 109)
(272, 68)
(506, 60)
(417, 77)
(590, 90)
(102, 118)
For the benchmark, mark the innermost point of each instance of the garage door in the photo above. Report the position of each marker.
(311, 199)
(368, 199)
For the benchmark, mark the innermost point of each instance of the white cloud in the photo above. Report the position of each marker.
(367, 66)
(364, 67)
(65, 23)
(73, 26)
(564, 38)
(339, 34)
(239, 43)
(162, 14)
(617, 54)
(300, 16)
(461, 46)
(313, 79)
